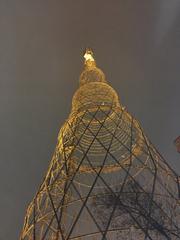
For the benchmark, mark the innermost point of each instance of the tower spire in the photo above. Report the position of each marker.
(91, 73)
(89, 60)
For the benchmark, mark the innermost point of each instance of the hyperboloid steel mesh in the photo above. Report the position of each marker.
(106, 180)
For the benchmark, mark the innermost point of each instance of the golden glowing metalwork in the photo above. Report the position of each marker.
(105, 180)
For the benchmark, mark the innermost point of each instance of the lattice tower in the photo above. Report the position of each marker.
(105, 180)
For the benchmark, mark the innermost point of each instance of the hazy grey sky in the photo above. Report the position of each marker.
(136, 43)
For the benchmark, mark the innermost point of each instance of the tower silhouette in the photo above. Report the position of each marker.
(106, 180)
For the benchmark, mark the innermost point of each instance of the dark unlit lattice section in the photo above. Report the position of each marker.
(106, 181)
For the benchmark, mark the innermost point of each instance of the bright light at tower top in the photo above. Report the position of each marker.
(89, 59)
(89, 55)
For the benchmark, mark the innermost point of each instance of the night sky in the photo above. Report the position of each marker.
(137, 45)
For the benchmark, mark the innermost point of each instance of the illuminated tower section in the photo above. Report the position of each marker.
(106, 180)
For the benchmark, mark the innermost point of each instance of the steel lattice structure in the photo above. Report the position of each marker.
(106, 180)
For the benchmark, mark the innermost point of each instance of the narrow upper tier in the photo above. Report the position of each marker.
(91, 72)
(94, 90)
